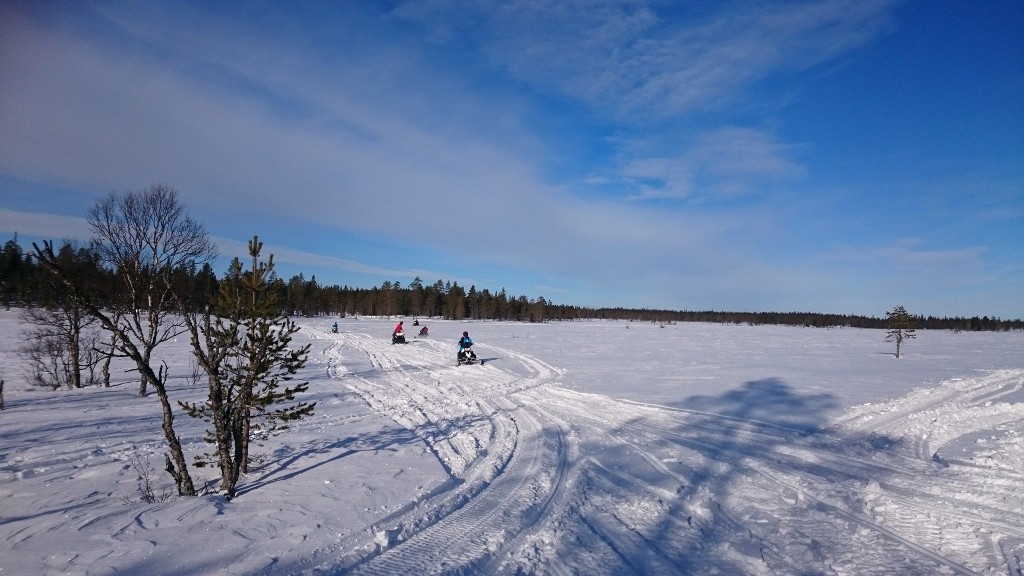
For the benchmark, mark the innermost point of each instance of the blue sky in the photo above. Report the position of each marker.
(831, 156)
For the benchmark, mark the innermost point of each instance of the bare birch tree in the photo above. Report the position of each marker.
(145, 237)
(58, 345)
(142, 237)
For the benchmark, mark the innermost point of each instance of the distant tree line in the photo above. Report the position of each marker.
(24, 284)
(807, 319)
(144, 278)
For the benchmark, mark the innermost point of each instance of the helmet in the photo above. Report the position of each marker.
(465, 333)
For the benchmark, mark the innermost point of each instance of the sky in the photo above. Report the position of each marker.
(829, 156)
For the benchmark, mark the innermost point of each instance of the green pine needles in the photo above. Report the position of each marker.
(899, 326)
(242, 342)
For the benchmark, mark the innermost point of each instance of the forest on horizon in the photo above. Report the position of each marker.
(23, 283)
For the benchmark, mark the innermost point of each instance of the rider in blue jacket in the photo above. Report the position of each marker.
(466, 353)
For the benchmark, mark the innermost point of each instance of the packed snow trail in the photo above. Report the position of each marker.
(413, 464)
(543, 479)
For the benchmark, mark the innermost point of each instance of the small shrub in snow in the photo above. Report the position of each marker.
(899, 326)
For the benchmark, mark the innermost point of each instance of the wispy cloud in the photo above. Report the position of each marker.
(43, 225)
(617, 146)
(911, 254)
(912, 269)
(234, 160)
(653, 59)
(726, 162)
(354, 163)
(230, 248)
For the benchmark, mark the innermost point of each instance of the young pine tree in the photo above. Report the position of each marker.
(899, 326)
(243, 344)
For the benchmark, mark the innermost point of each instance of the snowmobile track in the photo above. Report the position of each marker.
(545, 479)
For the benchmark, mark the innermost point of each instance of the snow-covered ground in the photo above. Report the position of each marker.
(586, 447)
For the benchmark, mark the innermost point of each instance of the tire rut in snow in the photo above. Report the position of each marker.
(645, 488)
(509, 461)
(476, 532)
(721, 466)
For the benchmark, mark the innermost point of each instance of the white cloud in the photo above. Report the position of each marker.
(282, 254)
(907, 254)
(912, 256)
(42, 225)
(447, 148)
(725, 162)
(636, 60)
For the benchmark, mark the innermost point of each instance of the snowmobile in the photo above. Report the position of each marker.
(424, 331)
(398, 338)
(466, 356)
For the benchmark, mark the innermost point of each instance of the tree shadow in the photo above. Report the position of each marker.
(668, 491)
(284, 458)
(279, 470)
(767, 401)
(763, 434)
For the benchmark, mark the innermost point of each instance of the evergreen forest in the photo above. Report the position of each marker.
(24, 284)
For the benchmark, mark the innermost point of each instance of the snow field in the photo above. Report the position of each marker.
(719, 449)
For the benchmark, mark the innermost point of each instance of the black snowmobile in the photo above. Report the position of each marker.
(398, 338)
(466, 356)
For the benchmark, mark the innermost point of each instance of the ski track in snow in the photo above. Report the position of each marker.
(547, 480)
(524, 475)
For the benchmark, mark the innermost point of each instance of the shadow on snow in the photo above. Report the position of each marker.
(691, 481)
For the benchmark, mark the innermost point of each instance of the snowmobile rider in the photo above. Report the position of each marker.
(335, 328)
(465, 343)
(424, 331)
(466, 354)
(398, 335)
